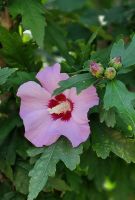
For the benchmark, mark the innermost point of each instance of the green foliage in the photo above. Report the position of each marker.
(72, 33)
(123, 105)
(127, 54)
(5, 73)
(112, 140)
(46, 164)
(81, 82)
(32, 17)
(15, 53)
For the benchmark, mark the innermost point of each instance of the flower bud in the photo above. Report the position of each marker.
(116, 63)
(96, 69)
(110, 73)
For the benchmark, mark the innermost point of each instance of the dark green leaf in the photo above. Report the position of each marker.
(46, 164)
(118, 96)
(5, 73)
(81, 82)
(105, 140)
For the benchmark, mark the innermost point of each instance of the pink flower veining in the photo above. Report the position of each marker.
(46, 118)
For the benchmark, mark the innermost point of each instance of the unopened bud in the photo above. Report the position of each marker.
(116, 63)
(96, 69)
(110, 73)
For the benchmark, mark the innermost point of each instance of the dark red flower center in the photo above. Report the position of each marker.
(60, 107)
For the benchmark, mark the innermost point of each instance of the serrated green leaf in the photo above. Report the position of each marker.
(5, 73)
(106, 140)
(118, 96)
(46, 164)
(32, 17)
(81, 82)
(127, 54)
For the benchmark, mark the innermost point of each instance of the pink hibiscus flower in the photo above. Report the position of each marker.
(46, 118)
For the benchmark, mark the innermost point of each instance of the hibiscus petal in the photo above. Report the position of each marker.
(33, 97)
(50, 77)
(75, 132)
(82, 102)
(38, 128)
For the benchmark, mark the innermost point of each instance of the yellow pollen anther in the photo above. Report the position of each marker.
(61, 108)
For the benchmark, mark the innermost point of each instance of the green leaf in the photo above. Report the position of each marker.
(127, 54)
(32, 17)
(46, 164)
(81, 82)
(6, 169)
(21, 179)
(118, 96)
(108, 116)
(5, 73)
(57, 184)
(35, 151)
(105, 140)
(101, 56)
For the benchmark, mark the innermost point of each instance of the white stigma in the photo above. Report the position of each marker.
(61, 108)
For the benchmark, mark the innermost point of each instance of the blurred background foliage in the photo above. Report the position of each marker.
(36, 33)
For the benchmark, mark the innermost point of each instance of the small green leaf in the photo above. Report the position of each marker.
(127, 54)
(118, 96)
(5, 73)
(46, 164)
(81, 82)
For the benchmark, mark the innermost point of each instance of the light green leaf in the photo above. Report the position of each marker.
(105, 140)
(81, 82)
(32, 17)
(5, 73)
(118, 96)
(46, 164)
(127, 54)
